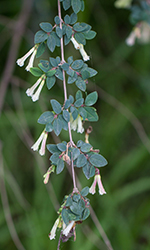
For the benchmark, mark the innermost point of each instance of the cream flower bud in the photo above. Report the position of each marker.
(41, 140)
(21, 60)
(136, 33)
(75, 43)
(53, 231)
(83, 53)
(67, 230)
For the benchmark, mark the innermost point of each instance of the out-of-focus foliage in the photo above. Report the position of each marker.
(122, 134)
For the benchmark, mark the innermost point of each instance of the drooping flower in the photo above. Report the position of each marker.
(83, 53)
(30, 91)
(68, 228)
(77, 124)
(80, 47)
(31, 60)
(136, 33)
(97, 180)
(75, 43)
(52, 233)
(32, 52)
(41, 140)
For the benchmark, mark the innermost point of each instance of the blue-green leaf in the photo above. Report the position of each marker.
(76, 5)
(81, 161)
(79, 102)
(40, 36)
(85, 191)
(46, 117)
(47, 27)
(59, 32)
(86, 147)
(60, 166)
(73, 18)
(57, 126)
(36, 71)
(56, 106)
(54, 158)
(67, 19)
(49, 127)
(66, 115)
(51, 43)
(81, 84)
(61, 146)
(91, 99)
(75, 153)
(53, 148)
(50, 81)
(66, 4)
(40, 50)
(77, 64)
(91, 114)
(98, 160)
(57, 20)
(80, 38)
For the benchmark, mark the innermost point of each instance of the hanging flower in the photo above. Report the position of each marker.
(30, 91)
(75, 43)
(41, 140)
(80, 47)
(83, 53)
(97, 180)
(52, 234)
(32, 52)
(136, 33)
(68, 228)
(77, 124)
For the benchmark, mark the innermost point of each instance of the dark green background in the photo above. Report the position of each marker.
(123, 84)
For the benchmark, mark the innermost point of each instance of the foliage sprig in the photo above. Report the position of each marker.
(68, 115)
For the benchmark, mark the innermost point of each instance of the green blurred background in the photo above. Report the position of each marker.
(121, 134)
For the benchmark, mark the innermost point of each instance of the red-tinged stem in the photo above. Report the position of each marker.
(65, 92)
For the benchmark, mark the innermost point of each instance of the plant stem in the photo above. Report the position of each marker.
(65, 93)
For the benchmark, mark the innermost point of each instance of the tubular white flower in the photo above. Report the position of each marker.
(136, 33)
(83, 53)
(42, 149)
(30, 91)
(21, 60)
(36, 96)
(97, 180)
(100, 185)
(68, 228)
(80, 126)
(76, 124)
(36, 145)
(31, 60)
(92, 189)
(75, 43)
(53, 231)
(41, 140)
(130, 41)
